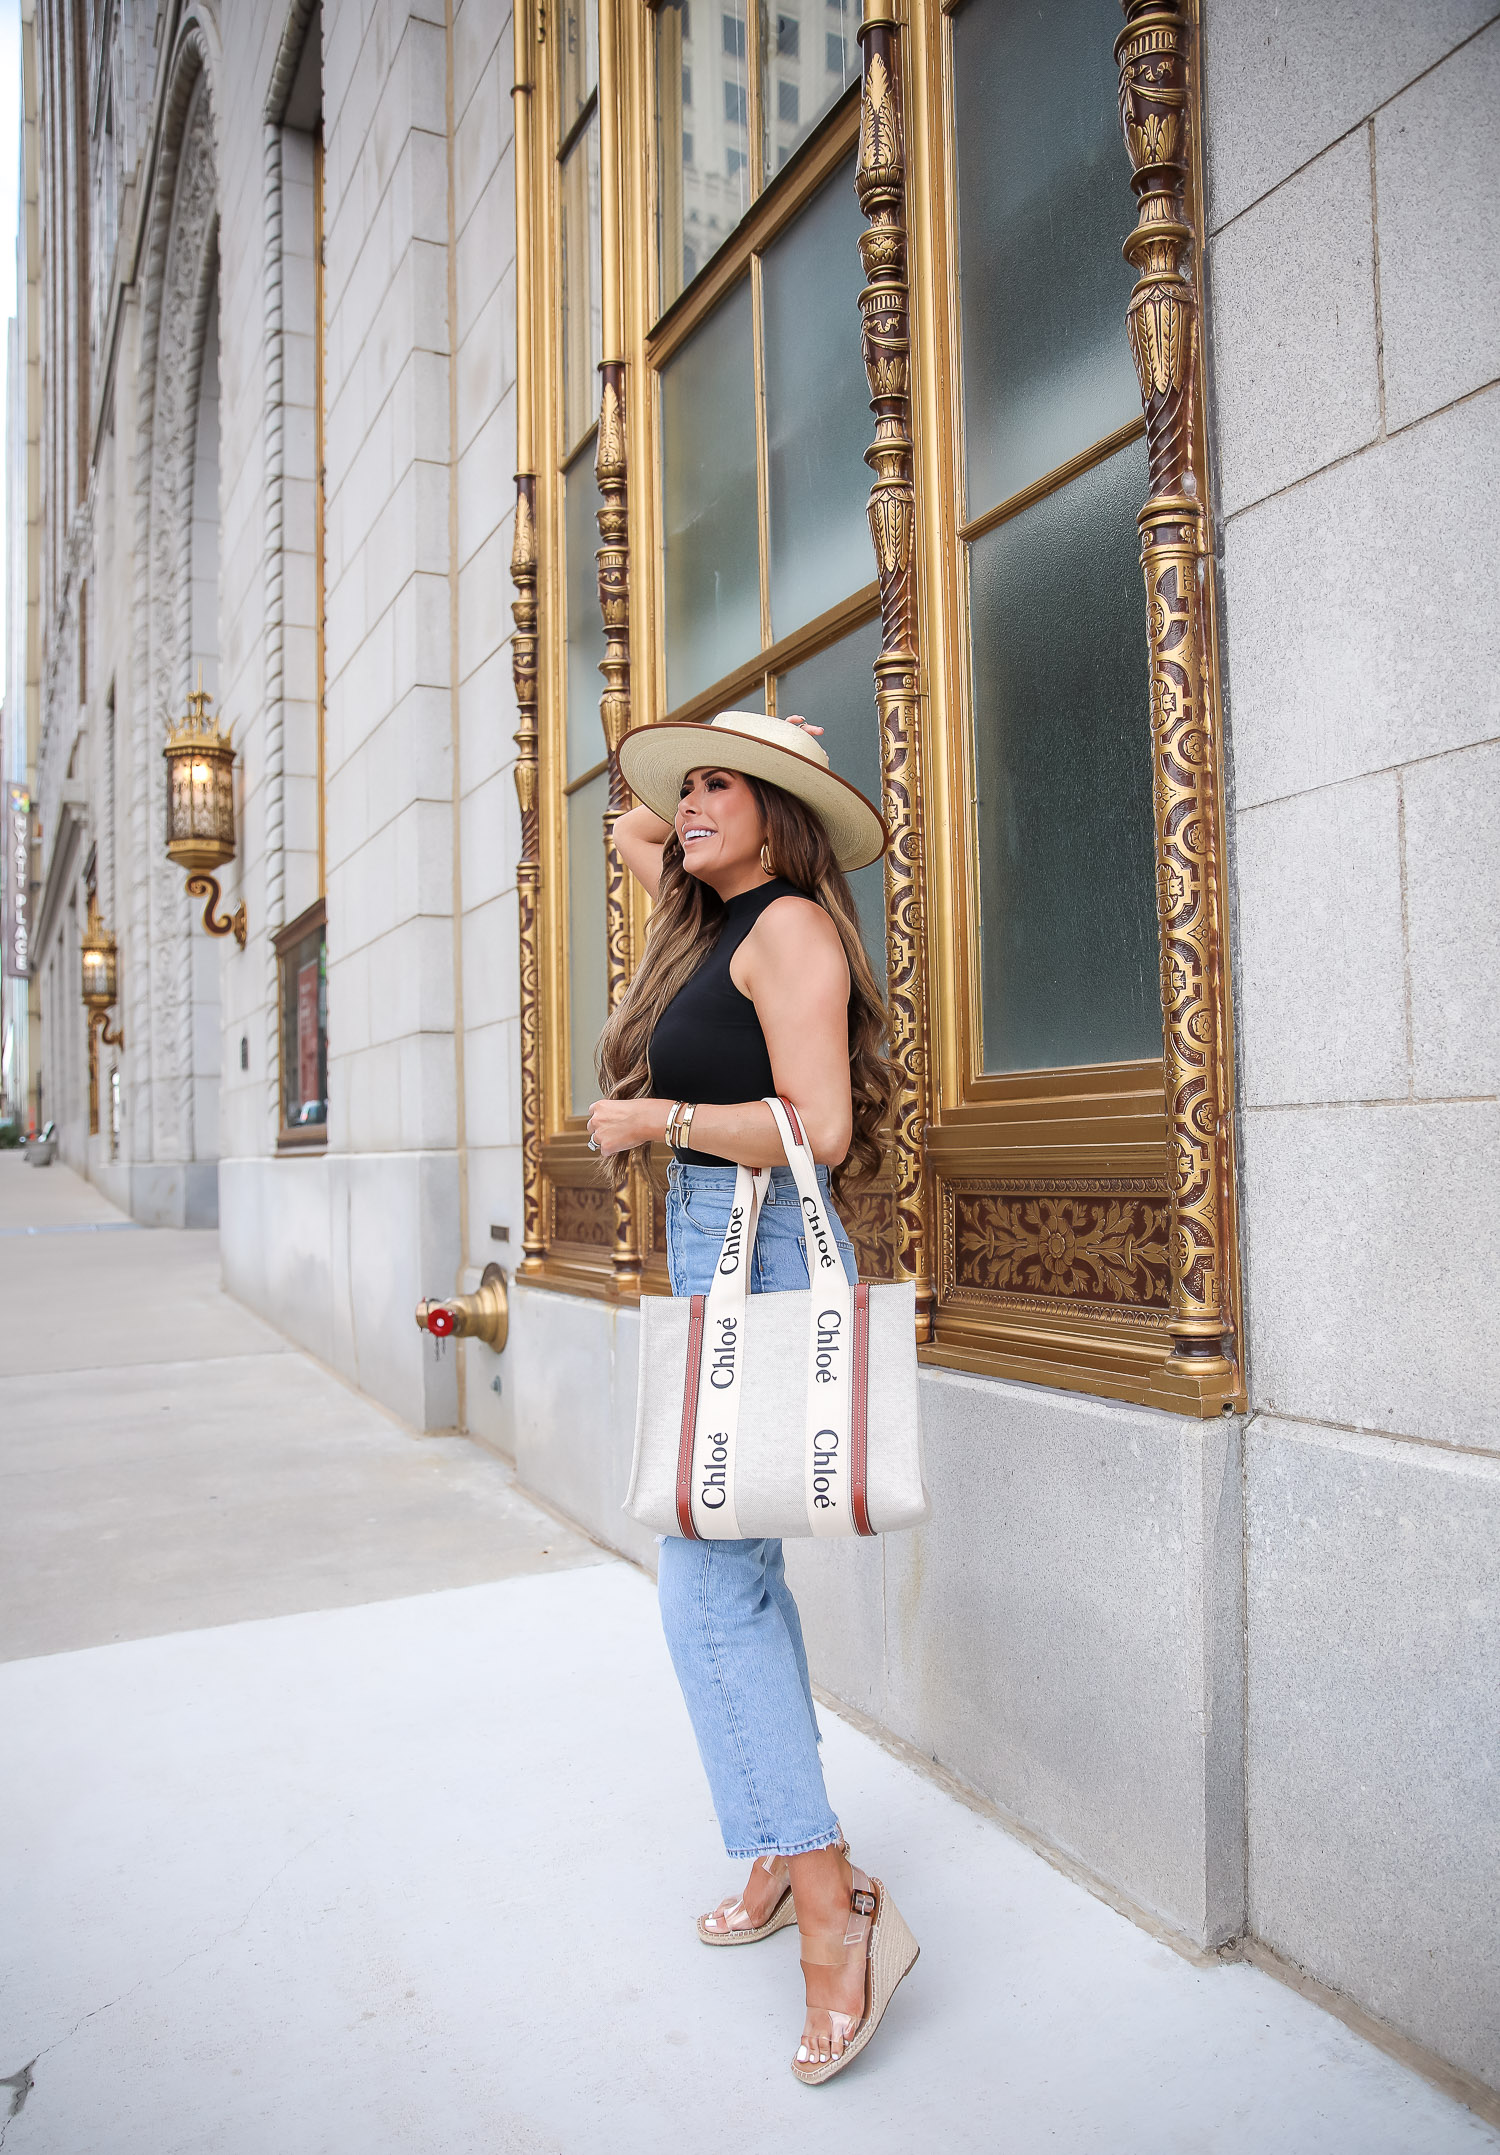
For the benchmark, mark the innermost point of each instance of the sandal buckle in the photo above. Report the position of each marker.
(861, 1902)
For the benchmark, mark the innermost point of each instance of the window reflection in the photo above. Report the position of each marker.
(582, 320)
(709, 516)
(577, 58)
(817, 408)
(704, 180)
(717, 63)
(814, 58)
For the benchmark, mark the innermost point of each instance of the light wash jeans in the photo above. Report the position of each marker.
(732, 1626)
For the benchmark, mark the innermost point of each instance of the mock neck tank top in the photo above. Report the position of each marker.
(707, 1044)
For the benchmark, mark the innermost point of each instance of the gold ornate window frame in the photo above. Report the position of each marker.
(1082, 1221)
(1074, 1228)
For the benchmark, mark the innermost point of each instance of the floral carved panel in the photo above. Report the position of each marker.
(870, 1217)
(1089, 1244)
(583, 1213)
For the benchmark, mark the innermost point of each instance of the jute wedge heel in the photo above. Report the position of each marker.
(890, 1955)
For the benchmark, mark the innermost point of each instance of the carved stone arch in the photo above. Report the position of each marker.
(177, 281)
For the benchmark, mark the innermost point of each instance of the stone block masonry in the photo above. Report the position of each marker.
(1352, 274)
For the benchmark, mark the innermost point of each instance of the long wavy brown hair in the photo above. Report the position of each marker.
(685, 924)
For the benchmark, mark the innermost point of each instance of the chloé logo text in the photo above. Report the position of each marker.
(729, 1260)
(825, 1363)
(713, 1488)
(721, 1368)
(825, 1464)
(819, 1234)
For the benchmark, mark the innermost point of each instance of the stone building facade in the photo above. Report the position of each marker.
(1210, 1595)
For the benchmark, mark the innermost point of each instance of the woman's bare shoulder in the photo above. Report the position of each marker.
(792, 924)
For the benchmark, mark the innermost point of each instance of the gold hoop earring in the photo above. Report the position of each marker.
(765, 860)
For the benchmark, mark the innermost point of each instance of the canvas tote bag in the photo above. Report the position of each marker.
(778, 1414)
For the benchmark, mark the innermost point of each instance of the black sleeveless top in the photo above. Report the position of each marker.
(707, 1044)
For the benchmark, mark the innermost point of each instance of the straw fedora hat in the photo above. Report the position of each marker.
(656, 759)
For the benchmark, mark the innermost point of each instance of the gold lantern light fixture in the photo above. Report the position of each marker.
(200, 810)
(100, 969)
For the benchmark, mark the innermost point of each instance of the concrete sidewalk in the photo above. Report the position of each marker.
(310, 1850)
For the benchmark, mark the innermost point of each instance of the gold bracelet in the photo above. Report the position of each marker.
(684, 1125)
(668, 1135)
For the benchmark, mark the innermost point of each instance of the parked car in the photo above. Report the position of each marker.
(42, 1151)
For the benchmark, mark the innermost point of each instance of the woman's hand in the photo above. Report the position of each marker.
(617, 1125)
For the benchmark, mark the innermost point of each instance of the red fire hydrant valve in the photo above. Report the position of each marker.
(483, 1315)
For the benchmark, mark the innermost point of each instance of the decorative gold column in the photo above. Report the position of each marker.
(523, 652)
(611, 469)
(529, 866)
(881, 184)
(1163, 322)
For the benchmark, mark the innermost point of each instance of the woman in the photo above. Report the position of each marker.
(755, 982)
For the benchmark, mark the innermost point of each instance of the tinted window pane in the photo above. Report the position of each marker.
(582, 323)
(577, 57)
(712, 567)
(702, 137)
(585, 625)
(818, 422)
(1043, 205)
(588, 989)
(836, 690)
(809, 63)
(1062, 752)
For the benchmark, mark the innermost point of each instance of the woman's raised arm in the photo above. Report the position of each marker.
(640, 835)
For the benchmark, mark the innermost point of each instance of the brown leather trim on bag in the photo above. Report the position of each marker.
(689, 1418)
(793, 1119)
(859, 1414)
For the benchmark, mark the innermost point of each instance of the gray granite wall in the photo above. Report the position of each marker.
(1354, 284)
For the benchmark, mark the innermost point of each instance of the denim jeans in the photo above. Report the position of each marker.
(732, 1626)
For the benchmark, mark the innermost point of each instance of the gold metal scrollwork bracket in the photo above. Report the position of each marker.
(880, 181)
(99, 1029)
(1153, 53)
(236, 923)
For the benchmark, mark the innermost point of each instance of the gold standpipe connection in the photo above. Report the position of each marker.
(484, 1315)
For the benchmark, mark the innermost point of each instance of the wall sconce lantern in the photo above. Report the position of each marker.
(100, 970)
(200, 810)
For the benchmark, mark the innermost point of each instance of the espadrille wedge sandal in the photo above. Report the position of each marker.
(730, 1924)
(890, 1953)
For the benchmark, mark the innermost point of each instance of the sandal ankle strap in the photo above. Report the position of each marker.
(827, 1949)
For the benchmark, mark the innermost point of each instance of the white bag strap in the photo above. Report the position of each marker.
(716, 1338)
(830, 1341)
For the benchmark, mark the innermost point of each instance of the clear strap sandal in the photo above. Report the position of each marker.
(890, 1953)
(730, 1923)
